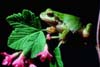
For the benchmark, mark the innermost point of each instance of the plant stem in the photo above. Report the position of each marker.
(43, 29)
(54, 37)
(60, 43)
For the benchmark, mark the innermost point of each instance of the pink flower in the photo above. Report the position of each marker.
(19, 62)
(8, 58)
(32, 65)
(45, 54)
(48, 37)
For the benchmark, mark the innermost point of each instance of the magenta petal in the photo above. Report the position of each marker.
(43, 58)
(18, 63)
(4, 62)
(7, 61)
(30, 62)
(45, 55)
(49, 56)
(4, 54)
(48, 37)
(32, 65)
(8, 58)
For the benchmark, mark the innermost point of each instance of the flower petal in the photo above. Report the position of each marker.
(32, 65)
(19, 62)
(48, 37)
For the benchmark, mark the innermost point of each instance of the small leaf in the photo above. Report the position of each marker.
(58, 57)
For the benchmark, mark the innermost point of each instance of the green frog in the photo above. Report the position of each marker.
(64, 23)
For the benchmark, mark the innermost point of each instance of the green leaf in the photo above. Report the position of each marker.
(20, 35)
(28, 43)
(31, 19)
(26, 17)
(36, 45)
(39, 44)
(26, 35)
(58, 57)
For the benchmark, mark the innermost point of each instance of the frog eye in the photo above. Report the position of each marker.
(50, 14)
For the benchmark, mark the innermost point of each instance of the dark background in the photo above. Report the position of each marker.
(74, 52)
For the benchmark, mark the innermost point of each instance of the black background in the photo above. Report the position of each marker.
(74, 53)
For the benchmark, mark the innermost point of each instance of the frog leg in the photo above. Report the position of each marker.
(63, 34)
(86, 30)
(62, 30)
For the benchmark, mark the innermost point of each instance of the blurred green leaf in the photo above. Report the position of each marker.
(31, 19)
(26, 17)
(58, 57)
